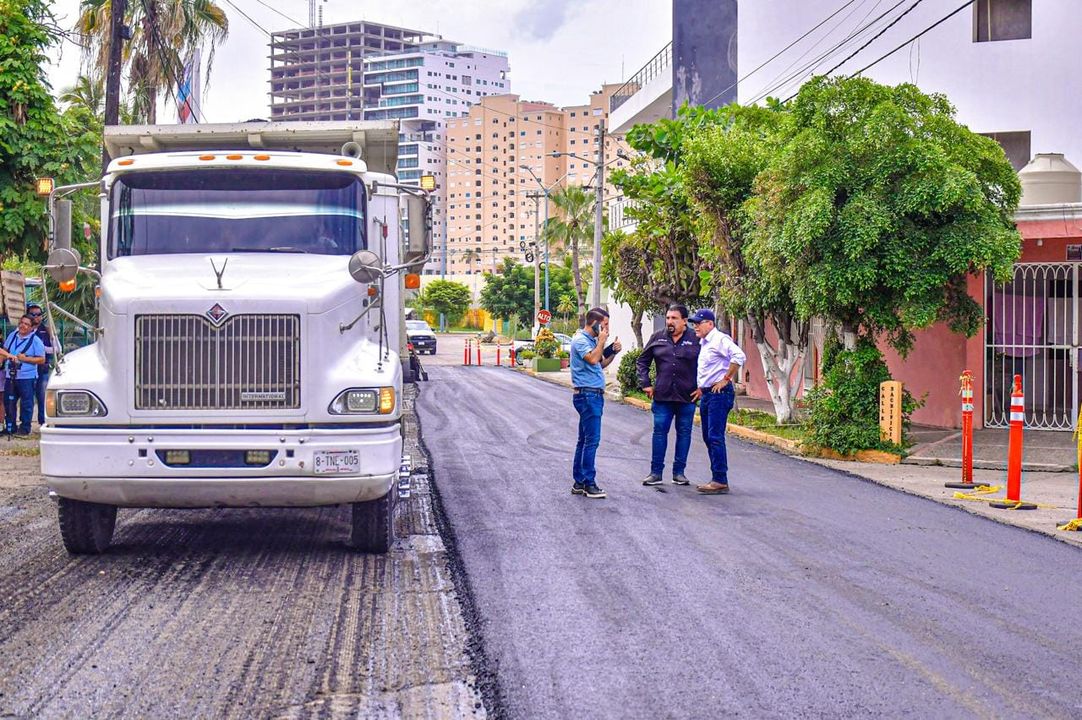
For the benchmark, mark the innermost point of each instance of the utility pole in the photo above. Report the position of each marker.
(598, 208)
(118, 33)
(536, 196)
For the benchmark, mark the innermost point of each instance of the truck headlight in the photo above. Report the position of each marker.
(364, 401)
(73, 403)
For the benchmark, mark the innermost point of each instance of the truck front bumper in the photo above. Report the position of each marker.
(120, 466)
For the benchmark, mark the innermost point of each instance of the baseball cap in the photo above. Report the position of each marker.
(699, 315)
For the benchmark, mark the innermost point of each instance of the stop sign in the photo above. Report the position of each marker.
(544, 316)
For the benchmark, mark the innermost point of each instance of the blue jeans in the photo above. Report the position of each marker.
(39, 393)
(589, 406)
(664, 412)
(714, 414)
(19, 393)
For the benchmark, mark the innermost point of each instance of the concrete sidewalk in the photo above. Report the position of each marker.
(1043, 450)
(936, 459)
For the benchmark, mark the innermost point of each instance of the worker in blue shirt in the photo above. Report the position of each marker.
(41, 328)
(720, 359)
(21, 354)
(589, 358)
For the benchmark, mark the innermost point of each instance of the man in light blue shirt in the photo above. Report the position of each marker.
(589, 358)
(23, 351)
(720, 359)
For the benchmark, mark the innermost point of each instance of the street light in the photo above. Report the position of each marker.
(545, 225)
(598, 203)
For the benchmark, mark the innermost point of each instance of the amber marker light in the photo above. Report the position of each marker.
(262, 157)
(44, 186)
(68, 286)
(344, 162)
(206, 157)
(413, 281)
(428, 182)
(386, 400)
(125, 162)
(234, 157)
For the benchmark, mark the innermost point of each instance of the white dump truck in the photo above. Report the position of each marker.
(250, 338)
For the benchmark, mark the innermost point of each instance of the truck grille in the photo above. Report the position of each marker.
(249, 362)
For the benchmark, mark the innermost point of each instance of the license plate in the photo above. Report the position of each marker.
(337, 462)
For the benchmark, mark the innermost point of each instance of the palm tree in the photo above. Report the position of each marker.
(164, 33)
(566, 306)
(573, 226)
(88, 92)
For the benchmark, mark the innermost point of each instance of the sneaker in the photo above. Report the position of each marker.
(578, 489)
(593, 491)
(652, 479)
(679, 479)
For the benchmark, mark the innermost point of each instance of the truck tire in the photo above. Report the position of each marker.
(87, 528)
(373, 524)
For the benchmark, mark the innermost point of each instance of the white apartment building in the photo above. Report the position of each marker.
(422, 89)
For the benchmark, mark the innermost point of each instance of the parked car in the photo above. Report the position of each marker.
(422, 336)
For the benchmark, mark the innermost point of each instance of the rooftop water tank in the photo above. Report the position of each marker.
(1050, 179)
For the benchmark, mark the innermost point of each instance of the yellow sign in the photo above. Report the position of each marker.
(890, 411)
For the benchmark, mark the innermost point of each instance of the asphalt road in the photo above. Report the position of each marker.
(227, 614)
(806, 592)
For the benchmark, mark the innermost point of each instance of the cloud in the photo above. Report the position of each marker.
(542, 19)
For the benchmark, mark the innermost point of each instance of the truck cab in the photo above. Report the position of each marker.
(250, 328)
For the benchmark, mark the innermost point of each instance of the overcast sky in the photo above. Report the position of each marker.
(560, 50)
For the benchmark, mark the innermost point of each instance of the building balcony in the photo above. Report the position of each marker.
(646, 97)
(618, 218)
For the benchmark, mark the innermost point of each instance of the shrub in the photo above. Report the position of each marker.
(627, 375)
(545, 344)
(526, 354)
(844, 409)
(563, 355)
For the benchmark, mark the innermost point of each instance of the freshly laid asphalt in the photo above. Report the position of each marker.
(806, 592)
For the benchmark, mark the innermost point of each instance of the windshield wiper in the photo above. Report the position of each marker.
(283, 249)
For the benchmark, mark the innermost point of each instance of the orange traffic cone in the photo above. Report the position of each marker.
(1014, 453)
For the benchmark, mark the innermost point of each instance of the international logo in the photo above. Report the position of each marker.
(217, 314)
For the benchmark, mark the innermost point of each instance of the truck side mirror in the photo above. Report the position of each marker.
(364, 267)
(418, 222)
(61, 224)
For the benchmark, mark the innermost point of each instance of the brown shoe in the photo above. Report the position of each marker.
(713, 488)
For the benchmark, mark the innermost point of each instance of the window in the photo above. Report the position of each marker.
(1016, 146)
(1002, 20)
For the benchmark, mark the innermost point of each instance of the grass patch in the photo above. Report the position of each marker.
(638, 394)
(21, 451)
(765, 422)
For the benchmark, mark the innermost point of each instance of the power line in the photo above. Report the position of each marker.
(875, 37)
(916, 37)
(780, 52)
(279, 12)
(248, 17)
(782, 80)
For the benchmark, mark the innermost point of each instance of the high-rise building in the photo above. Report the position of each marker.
(423, 88)
(316, 73)
(489, 212)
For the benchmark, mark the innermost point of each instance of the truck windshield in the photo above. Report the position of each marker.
(235, 210)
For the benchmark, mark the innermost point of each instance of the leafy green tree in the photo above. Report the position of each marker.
(446, 297)
(165, 32)
(508, 293)
(566, 306)
(876, 206)
(35, 138)
(722, 159)
(659, 263)
(572, 229)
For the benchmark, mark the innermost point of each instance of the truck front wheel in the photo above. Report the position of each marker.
(87, 528)
(373, 524)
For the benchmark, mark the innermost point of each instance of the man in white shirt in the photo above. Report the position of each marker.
(720, 359)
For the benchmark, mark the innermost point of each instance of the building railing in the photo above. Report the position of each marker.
(654, 67)
(617, 213)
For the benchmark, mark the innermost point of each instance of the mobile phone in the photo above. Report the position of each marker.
(596, 327)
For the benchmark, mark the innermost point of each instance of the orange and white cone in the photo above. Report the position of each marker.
(967, 434)
(1013, 500)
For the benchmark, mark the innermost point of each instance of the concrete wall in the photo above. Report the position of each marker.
(704, 52)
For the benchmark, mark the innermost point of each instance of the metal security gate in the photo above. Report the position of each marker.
(1032, 330)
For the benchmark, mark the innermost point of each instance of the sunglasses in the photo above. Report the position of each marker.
(34, 314)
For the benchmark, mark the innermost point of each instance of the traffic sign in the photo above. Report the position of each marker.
(544, 317)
